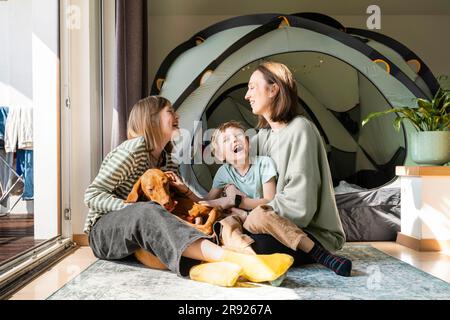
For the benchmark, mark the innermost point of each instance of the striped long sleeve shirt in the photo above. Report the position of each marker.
(120, 169)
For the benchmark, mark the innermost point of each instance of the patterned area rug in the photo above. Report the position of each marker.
(375, 276)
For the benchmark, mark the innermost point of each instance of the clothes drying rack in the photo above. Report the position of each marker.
(9, 188)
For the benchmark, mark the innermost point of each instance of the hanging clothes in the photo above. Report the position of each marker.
(24, 168)
(19, 129)
(24, 161)
(6, 159)
(25, 135)
(6, 162)
(19, 138)
(3, 117)
(12, 129)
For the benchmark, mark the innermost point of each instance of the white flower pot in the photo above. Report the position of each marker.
(430, 147)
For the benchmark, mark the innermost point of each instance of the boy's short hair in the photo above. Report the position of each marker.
(221, 129)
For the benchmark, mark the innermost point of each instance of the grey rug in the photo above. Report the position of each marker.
(375, 276)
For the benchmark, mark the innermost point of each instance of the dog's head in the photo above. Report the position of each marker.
(154, 185)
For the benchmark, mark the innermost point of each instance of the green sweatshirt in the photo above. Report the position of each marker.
(305, 192)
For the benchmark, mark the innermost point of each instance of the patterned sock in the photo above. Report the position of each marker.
(340, 265)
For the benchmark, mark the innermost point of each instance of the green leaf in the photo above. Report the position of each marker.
(445, 125)
(428, 116)
(435, 124)
(446, 98)
(376, 115)
(424, 104)
(413, 117)
(437, 99)
(397, 123)
(425, 112)
(445, 107)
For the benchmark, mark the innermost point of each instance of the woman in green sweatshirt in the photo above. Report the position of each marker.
(304, 187)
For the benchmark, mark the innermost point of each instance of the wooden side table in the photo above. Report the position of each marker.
(425, 208)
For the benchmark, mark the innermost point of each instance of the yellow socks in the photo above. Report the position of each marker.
(260, 268)
(223, 274)
(254, 268)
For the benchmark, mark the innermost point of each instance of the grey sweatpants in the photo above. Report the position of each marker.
(147, 225)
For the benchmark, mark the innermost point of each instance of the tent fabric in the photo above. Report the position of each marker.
(338, 136)
(339, 83)
(425, 80)
(276, 42)
(270, 25)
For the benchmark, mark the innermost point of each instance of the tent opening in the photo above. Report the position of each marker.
(336, 97)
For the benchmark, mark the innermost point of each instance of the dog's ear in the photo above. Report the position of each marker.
(135, 193)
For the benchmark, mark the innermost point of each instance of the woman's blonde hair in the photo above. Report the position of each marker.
(144, 121)
(285, 102)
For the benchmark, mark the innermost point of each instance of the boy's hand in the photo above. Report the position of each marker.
(176, 182)
(231, 191)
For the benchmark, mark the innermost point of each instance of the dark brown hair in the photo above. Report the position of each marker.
(286, 100)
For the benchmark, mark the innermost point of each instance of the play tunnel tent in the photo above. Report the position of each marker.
(342, 74)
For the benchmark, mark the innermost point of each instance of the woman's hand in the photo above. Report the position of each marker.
(176, 182)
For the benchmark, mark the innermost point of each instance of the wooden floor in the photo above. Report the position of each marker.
(16, 235)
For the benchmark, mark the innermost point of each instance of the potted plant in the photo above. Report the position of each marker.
(431, 119)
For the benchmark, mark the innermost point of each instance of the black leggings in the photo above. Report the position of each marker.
(266, 244)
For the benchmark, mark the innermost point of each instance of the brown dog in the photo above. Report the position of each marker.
(154, 185)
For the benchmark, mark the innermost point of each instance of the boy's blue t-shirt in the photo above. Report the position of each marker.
(260, 172)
